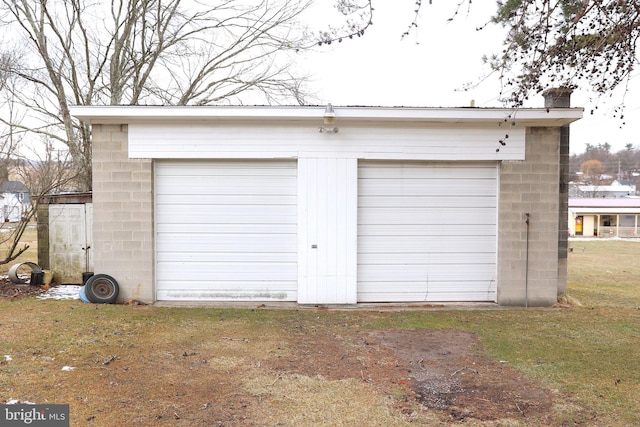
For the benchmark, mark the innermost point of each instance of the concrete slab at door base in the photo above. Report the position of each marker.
(335, 307)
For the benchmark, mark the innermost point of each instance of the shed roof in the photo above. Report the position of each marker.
(13, 187)
(623, 202)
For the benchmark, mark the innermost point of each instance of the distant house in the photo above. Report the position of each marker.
(604, 217)
(617, 189)
(14, 196)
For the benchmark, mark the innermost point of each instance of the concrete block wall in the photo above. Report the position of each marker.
(560, 97)
(42, 216)
(530, 186)
(123, 214)
(563, 206)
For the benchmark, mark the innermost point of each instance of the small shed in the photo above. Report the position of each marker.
(331, 205)
(65, 235)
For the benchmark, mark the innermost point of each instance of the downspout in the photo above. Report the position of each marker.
(526, 266)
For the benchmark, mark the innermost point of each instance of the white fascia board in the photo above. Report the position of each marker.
(491, 116)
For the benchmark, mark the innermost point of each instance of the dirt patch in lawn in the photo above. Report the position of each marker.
(449, 374)
(442, 370)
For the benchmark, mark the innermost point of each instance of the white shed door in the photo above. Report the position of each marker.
(226, 230)
(427, 231)
(70, 240)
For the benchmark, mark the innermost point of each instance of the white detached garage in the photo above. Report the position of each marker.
(293, 204)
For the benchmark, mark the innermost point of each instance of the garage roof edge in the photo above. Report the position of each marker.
(140, 114)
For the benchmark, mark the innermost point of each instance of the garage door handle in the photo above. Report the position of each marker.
(314, 246)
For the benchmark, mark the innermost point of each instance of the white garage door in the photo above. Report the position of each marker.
(427, 231)
(226, 230)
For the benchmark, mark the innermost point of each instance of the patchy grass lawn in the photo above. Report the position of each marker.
(29, 238)
(145, 365)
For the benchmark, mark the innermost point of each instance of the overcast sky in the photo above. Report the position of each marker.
(431, 67)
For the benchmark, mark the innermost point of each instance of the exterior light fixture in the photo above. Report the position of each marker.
(329, 115)
(329, 118)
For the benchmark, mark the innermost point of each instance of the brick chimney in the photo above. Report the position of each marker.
(561, 98)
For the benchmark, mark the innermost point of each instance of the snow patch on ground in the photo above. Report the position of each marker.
(18, 402)
(62, 292)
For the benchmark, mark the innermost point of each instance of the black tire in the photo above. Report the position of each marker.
(101, 289)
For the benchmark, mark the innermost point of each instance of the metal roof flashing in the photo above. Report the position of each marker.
(546, 117)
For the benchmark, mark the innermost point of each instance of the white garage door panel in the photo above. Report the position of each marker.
(435, 287)
(433, 230)
(435, 291)
(224, 170)
(433, 202)
(238, 243)
(403, 258)
(230, 228)
(225, 216)
(438, 188)
(240, 271)
(426, 245)
(201, 256)
(437, 216)
(227, 291)
(226, 186)
(427, 231)
(226, 230)
(214, 199)
(417, 273)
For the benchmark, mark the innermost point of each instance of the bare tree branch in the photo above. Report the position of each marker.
(81, 52)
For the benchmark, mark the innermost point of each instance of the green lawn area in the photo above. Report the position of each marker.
(589, 354)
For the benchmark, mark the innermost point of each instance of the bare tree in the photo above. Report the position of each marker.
(25, 178)
(42, 175)
(10, 139)
(5, 59)
(131, 52)
(591, 44)
(9, 136)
